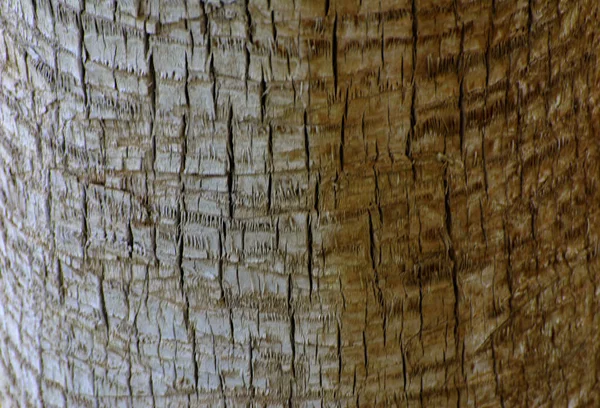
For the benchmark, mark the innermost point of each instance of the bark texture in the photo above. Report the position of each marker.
(299, 203)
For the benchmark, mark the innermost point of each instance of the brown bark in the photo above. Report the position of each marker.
(299, 203)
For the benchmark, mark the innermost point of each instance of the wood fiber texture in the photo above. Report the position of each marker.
(299, 203)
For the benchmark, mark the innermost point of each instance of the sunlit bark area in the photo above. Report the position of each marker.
(299, 203)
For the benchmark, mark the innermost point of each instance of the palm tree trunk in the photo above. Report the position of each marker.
(299, 203)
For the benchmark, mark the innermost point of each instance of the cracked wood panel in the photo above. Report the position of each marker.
(299, 203)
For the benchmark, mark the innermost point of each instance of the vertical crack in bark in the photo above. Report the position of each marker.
(384, 325)
(220, 266)
(309, 248)
(448, 211)
(62, 291)
(184, 146)
(84, 226)
(249, 44)
(152, 390)
(488, 50)
(354, 383)
(413, 101)
(378, 202)
(404, 366)
(508, 251)
(103, 309)
(144, 301)
(251, 368)
(320, 375)
(153, 95)
(195, 362)
(306, 143)
(214, 91)
(269, 193)
(230, 318)
(81, 59)
(269, 168)
(129, 380)
(482, 221)
(373, 258)
(179, 266)
(186, 88)
(180, 214)
(129, 241)
(339, 352)
(263, 103)
(273, 26)
(390, 131)
(533, 213)
(222, 389)
(230, 160)
(317, 187)
(448, 243)
(291, 314)
(210, 58)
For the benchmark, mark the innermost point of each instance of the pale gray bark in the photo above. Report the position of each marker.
(299, 203)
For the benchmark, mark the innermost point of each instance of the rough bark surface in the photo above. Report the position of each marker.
(299, 203)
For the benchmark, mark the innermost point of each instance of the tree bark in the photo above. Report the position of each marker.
(299, 203)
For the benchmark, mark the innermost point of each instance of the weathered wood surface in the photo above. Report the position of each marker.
(299, 203)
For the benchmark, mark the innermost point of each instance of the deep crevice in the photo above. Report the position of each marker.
(339, 352)
(292, 325)
(103, 308)
(309, 245)
(306, 143)
(230, 160)
(413, 112)
(251, 368)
